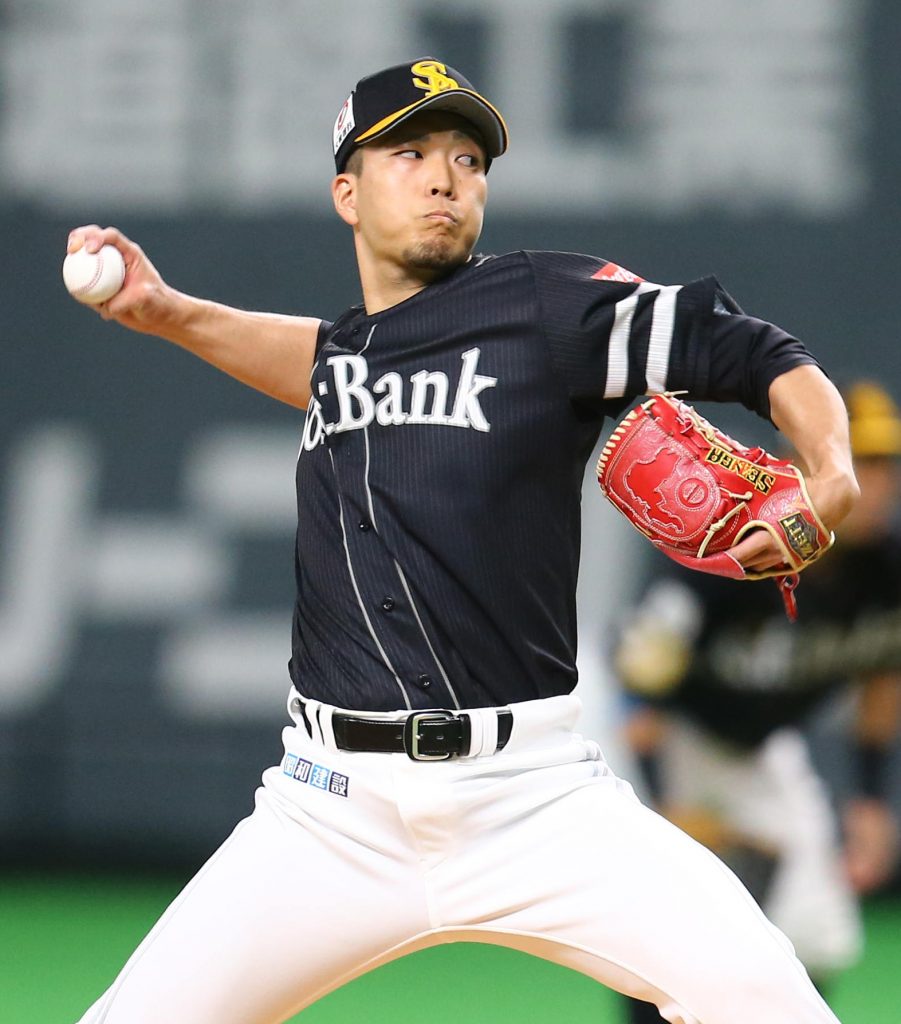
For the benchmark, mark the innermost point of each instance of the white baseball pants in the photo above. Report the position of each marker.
(353, 859)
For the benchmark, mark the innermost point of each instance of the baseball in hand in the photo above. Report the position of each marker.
(94, 277)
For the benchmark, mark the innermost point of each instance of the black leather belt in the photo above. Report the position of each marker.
(422, 735)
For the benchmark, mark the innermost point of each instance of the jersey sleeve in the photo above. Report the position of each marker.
(614, 336)
(322, 334)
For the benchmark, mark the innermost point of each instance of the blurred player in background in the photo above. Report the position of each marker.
(719, 686)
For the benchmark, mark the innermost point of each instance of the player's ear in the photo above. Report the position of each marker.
(344, 196)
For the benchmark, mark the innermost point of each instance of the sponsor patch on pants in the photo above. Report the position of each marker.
(316, 775)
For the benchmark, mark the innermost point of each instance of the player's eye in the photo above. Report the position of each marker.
(470, 160)
(410, 154)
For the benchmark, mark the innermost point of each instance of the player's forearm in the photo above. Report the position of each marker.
(807, 408)
(269, 352)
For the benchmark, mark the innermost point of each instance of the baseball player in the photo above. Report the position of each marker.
(720, 686)
(432, 788)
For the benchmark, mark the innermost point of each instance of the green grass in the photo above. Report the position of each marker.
(63, 939)
(870, 993)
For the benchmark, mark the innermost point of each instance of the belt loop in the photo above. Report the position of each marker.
(311, 714)
(483, 725)
(298, 713)
(324, 718)
(489, 733)
(476, 733)
(295, 706)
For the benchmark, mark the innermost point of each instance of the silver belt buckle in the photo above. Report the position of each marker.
(412, 737)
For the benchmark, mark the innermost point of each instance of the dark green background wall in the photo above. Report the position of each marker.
(102, 763)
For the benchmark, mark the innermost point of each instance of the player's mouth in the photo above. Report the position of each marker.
(441, 216)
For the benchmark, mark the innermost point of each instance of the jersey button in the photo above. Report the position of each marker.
(364, 525)
(424, 681)
(387, 604)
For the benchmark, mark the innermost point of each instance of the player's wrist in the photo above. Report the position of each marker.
(186, 319)
(833, 491)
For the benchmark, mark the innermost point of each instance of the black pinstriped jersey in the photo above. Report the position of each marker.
(440, 473)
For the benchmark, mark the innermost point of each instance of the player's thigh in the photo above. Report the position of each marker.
(647, 910)
(279, 915)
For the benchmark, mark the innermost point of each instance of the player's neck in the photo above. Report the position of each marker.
(386, 283)
(381, 295)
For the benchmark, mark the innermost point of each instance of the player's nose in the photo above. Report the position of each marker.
(441, 177)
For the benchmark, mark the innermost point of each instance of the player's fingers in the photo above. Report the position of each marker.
(92, 237)
(757, 551)
(80, 235)
(765, 564)
(754, 545)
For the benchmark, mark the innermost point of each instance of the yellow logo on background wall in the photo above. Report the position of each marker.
(434, 77)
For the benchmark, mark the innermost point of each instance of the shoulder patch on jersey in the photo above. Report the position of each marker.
(614, 272)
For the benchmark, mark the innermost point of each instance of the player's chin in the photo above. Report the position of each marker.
(438, 254)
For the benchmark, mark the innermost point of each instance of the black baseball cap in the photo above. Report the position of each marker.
(387, 98)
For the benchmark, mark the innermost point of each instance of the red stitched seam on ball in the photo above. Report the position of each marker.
(98, 273)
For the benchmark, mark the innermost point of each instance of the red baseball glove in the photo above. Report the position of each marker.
(694, 492)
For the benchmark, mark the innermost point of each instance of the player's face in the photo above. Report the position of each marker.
(419, 200)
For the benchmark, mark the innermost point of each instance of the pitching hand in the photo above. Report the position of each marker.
(145, 302)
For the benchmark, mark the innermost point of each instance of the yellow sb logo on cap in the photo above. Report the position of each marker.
(434, 77)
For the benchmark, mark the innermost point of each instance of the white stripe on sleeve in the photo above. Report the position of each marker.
(618, 346)
(663, 320)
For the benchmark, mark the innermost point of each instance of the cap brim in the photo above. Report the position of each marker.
(468, 104)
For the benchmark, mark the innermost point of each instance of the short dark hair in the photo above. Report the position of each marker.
(354, 163)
